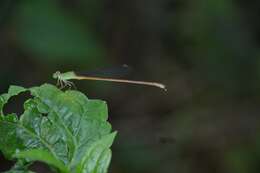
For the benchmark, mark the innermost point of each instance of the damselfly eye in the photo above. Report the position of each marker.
(56, 74)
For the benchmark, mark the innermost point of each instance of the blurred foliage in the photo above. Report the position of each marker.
(206, 52)
(223, 50)
(48, 31)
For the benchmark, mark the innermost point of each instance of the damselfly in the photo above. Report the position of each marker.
(63, 80)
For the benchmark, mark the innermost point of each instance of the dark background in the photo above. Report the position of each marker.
(206, 52)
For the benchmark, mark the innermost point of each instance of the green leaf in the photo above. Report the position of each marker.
(66, 130)
(97, 109)
(9, 142)
(98, 156)
(42, 155)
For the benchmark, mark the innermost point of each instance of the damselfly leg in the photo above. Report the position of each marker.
(65, 83)
(69, 84)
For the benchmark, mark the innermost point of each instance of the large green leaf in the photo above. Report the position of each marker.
(63, 129)
(8, 140)
(97, 156)
(8, 137)
(42, 155)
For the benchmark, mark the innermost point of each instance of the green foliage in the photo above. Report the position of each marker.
(65, 130)
(52, 33)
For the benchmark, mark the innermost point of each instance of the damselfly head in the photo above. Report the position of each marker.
(56, 74)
